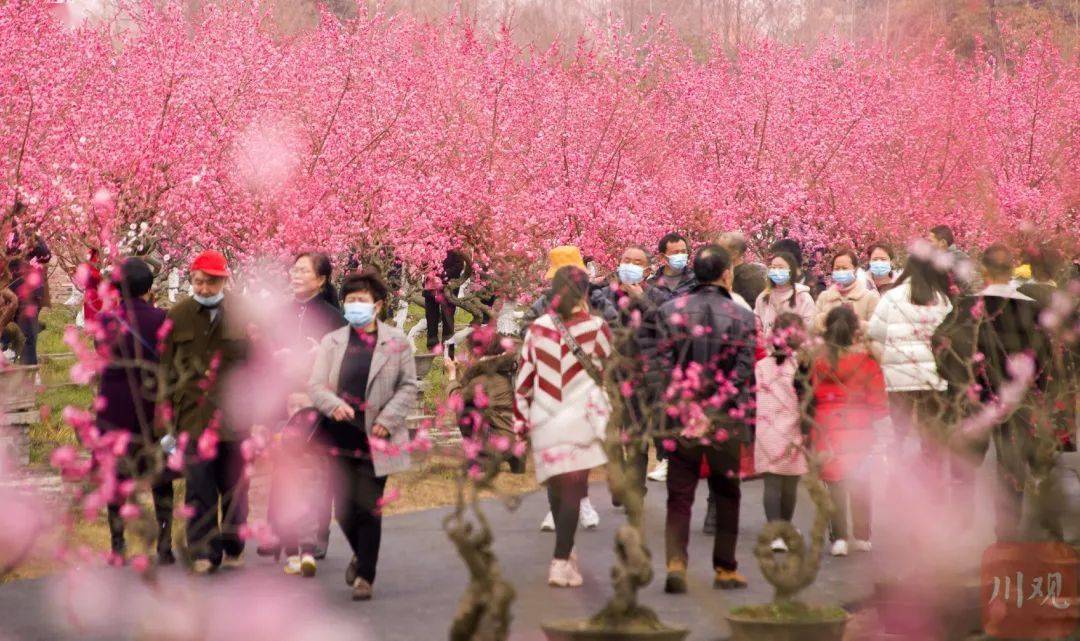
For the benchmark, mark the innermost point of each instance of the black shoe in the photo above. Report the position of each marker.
(517, 465)
(166, 557)
(675, 583)
(268, 550)
(710, 520)
(319, 552)
(351, 572)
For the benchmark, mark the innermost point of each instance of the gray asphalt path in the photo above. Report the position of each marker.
(421, 578)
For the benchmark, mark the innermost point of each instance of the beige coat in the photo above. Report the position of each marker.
(860, 298)
(391, 389)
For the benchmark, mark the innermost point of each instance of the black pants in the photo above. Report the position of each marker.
(684, 469)
(780, 493)
(438, 312)
(162, 492)
(217, 492)
(485, 318)
(1013, 448)
(565, 492)
(357, 492)
(30, 327)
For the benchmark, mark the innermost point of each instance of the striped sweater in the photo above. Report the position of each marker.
(556, 397)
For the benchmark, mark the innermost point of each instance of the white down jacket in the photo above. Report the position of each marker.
(903, 331)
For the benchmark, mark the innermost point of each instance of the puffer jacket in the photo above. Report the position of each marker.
(902, 332)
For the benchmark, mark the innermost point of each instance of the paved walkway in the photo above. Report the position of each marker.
(421, 579)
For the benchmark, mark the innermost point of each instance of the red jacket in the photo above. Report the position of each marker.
(849, 398)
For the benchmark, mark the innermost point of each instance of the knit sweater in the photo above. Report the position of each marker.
(556, 399)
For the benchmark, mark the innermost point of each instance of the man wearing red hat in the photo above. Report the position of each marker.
(204, 345)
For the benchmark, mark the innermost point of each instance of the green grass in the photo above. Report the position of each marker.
(51, 432)
(790, 612)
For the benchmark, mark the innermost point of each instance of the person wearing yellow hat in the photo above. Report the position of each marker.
(563, 256)
(599, 305)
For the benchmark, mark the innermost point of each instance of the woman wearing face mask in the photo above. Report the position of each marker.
(364, 385)
(881, 258)
(846, 289)
(783, 293)
(317, 313)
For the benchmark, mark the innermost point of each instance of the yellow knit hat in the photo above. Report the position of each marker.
(561, 257)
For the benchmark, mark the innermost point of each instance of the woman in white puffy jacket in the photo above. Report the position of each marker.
(902, 327)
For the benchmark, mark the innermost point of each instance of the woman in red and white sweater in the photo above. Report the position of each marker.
(563, 409)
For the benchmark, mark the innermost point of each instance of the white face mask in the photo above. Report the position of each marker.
(359, 314)
(631, 274)
(209, 301)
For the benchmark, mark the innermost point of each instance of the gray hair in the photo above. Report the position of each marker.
(733, 241)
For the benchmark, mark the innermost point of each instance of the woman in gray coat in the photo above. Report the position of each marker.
(364, 386)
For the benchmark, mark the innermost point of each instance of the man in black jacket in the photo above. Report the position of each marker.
(206, 344)
(703, 367)
(634, 333)
(674, 277)
(973, 346)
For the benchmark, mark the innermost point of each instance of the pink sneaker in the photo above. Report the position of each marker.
(562, 574)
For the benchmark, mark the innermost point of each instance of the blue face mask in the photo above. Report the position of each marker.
(843, 277)
(209, 301)
(631, 274)
(780, 276)
(678, 261)
(880, 267)
(359, 314)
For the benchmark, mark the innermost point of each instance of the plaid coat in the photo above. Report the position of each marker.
(391, 390)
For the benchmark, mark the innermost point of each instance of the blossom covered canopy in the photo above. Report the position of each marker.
(387, 131)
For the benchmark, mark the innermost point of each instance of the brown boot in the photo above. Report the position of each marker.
(676, 577)
(729, 580)
(362, 590)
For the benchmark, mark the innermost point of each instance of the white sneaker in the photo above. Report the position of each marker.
(861, 546)
(232, 562)
(308, 567)
(202, 566)
(561, 574)
(549, 523)
(778, 545)
(589, 518)
(292, 565)
(839, 548)
(659, 473)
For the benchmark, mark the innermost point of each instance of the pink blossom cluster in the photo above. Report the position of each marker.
(209, 129)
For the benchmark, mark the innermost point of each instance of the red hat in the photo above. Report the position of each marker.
(211, 262)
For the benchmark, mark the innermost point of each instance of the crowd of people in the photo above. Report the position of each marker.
(728, 368)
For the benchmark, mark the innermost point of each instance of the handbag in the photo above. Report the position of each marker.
(597, 399)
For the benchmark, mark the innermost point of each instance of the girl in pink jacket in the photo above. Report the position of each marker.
(778, 442)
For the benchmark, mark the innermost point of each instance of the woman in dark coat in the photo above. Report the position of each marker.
(317, 312)
(128, 386)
